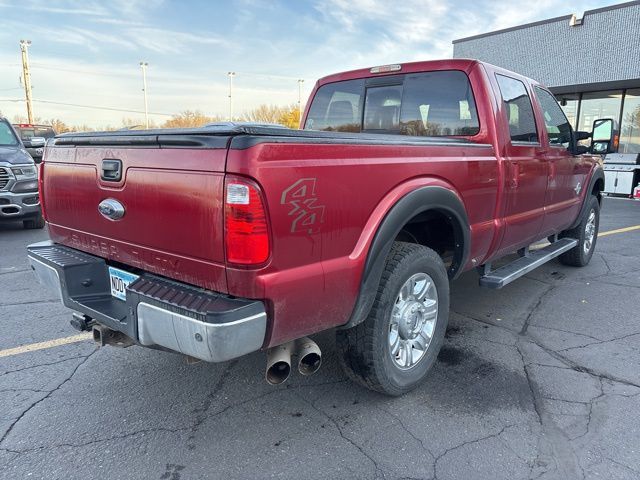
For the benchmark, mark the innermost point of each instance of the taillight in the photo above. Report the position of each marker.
(246, 228)
(41, 188)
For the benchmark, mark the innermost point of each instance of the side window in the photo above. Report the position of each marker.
(438, 104)
(558, 126)
(522, 124)
(337, 107)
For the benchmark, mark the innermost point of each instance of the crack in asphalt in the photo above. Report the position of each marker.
(565, 331)
(590, 413)
(581, 368)
(598, 342)
(463, 444)
(17, 304)
(9, 272)
(34, 390)
(42, 365)
(411, 434)
(201, 413)
(615, 284)
(341, 432)
(562, 452)
(615, 462)
(37, 402)
(95, 440)
(534, 309)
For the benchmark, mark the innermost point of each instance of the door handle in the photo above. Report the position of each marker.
(515, 176)
(111, 170)
(552, 171)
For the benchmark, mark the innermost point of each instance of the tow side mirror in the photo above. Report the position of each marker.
(37, 142)
(604, 137)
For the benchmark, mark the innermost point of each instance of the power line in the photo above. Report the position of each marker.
(100, 107)
(111, 73)
(95, 107)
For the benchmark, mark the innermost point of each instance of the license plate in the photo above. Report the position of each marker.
(119, 281)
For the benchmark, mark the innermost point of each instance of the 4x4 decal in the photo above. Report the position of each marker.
(301, 197)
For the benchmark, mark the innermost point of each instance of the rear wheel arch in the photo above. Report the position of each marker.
(424, 204)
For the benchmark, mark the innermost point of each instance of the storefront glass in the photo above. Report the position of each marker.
(630, 128)
(597, 105)
(569, 104)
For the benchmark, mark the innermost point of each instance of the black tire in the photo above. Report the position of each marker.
(364, 350)
(580, 255)
(34, 223)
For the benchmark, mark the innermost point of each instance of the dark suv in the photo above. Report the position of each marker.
(27, 132)
(18, 180)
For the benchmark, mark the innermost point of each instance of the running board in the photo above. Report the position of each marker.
(502, 276)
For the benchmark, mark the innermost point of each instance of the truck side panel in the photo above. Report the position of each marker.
(324, 210)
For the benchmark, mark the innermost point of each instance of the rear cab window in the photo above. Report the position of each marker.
(438, 103)
(27, 132)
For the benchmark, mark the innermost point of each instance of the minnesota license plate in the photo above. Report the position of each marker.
(119, 280)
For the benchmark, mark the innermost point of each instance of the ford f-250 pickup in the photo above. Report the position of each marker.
(220, 241)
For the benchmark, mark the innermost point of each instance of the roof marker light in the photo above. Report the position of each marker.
(386, 68)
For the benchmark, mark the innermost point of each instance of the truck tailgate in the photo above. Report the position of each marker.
(172, 197)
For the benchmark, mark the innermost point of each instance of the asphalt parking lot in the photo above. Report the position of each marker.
(538, 380)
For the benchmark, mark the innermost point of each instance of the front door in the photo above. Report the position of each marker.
(567, 172)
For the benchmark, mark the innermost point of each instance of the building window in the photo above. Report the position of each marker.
(517, 105)
(569, 104)
(630, 128)
(599, 105)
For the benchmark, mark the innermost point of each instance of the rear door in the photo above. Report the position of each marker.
(567, 172)
(172, 200)
(526, 167)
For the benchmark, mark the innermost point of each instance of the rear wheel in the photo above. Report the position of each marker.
(586, 233)
(398, 343)
(34, 223)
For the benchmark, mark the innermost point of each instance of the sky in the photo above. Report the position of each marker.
(86, 54)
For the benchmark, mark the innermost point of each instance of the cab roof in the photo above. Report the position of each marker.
(464, 64)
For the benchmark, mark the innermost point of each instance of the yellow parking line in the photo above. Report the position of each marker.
(601, 234)
(619, 230)
(42, 345)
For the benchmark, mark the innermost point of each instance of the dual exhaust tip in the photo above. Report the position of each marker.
(279, 359)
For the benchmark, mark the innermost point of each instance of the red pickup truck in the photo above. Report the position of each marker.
(220, 241)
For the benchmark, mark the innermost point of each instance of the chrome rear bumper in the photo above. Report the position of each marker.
(158, 312)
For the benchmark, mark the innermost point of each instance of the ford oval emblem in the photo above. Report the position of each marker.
(111, 208)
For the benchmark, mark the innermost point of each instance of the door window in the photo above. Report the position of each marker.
(519, 112)
(558, 127)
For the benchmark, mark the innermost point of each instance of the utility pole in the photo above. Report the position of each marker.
(300, 82)
(231, 75)
(144, 66)
(26, 77)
